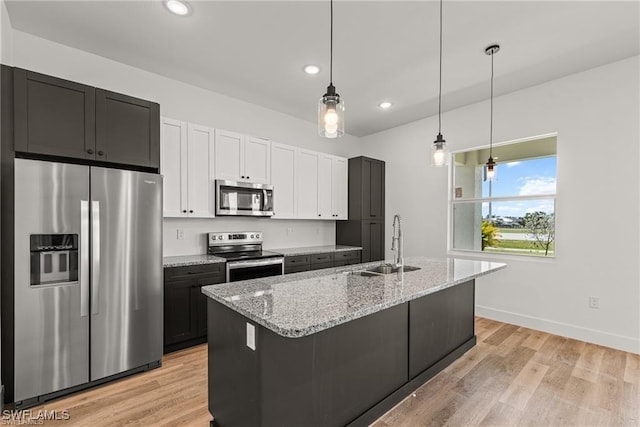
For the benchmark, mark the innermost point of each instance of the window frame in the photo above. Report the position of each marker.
(452, 201)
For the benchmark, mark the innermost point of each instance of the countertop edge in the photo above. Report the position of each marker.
(299, 333)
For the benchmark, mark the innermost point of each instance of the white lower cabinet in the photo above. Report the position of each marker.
(187, 166)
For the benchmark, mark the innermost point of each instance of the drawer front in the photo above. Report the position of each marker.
(193, 271)
(295, 261)
(323, 258)
(320, 266)
(347, 255)
(296, 269)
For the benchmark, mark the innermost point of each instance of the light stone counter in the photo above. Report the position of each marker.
(301, 304)
(183, 261)
(315, 250)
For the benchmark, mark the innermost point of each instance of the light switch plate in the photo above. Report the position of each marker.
(251, 336)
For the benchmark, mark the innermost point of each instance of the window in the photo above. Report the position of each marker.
(515, 212)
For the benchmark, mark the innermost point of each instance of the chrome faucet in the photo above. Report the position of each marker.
(397, 242)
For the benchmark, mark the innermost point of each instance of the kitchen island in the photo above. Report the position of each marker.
(337, 346)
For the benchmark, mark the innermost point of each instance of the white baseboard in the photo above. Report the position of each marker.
(620, 342)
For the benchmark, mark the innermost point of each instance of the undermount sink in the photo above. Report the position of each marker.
(388, 269)
(381, 270)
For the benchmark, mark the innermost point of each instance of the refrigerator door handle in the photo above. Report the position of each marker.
(84, 258)
(95, 255)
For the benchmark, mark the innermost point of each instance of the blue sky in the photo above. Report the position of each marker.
(523, 178)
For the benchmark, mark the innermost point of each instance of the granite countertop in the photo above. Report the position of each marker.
(301, 304)
(315, 250)
(183, 261)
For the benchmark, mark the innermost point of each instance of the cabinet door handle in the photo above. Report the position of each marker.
(248, 177)
(184, 211)
(89, 151)
(190, 210)
(319, 214)
(242, 177)
(100, 153)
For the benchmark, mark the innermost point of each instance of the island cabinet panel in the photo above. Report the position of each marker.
(325, 379)
(439, 323)
(185, 306)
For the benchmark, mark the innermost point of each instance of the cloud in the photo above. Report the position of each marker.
(538, 185)
(512, 164)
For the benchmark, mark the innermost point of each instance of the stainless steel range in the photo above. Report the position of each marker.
(244, 255)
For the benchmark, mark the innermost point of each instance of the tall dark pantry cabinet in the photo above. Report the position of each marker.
(365, 226)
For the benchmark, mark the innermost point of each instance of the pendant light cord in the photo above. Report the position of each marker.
(440, 87)
(331, 49)
(491, 122)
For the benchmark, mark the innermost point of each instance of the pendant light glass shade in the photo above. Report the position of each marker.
(491, 169)
(331, 114)
(330, 106)
(439, 154)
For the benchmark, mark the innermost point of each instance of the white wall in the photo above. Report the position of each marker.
(6, 36)
(185, 102)
(596, 115)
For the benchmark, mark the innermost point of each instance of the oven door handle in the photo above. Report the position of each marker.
(233, 265)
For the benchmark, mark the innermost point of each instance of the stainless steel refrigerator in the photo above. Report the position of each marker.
(88, 275)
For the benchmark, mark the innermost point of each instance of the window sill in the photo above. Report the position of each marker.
(501, 256)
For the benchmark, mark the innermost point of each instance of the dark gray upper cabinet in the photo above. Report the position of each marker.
(366, 188)
(53, 116)
(127, 130)
(56, 117)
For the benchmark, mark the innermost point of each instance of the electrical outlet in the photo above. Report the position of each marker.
(251, 336)
(594, 302)
(180, 234)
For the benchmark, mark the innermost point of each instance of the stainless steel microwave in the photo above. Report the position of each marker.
(243, 198)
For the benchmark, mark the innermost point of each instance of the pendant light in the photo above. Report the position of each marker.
(491, 173)
(439, 148)
(330, 106)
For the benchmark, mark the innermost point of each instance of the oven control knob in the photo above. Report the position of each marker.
(252, 236)
(220, 237)
(257, 236)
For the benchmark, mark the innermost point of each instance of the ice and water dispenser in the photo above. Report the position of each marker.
(54, 259)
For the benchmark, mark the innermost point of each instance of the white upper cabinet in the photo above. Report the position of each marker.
(283, 179)
(228, 155)
(200, 177)
(257, 160)
(307, 171)
(173, 160)
(187, 167)
(242, 158)
(339, 187)
(324, 188)
(321, 186)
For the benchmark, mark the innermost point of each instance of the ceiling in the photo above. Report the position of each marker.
(383, 50)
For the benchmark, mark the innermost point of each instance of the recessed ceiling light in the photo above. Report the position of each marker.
(311, 69)
(178, 7)
(385, 105)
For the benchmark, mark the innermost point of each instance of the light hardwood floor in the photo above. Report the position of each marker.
(513, 376)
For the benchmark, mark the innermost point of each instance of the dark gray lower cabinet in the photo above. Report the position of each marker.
(350, 374)
(185, 307)
(369, 234)
(299, 263)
